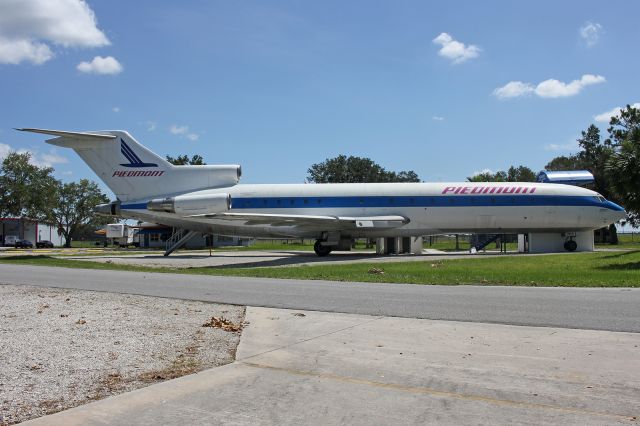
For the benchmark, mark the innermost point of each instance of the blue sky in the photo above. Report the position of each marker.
(445, 89)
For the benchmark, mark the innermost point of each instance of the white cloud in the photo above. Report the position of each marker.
(115, 109)
(590, 32)
(513, 89)
(151, 126)
(557, 89)
(178, 130)
(47, 159)
(15, 51)
(28, 27)
(4, 150)
(569, 146)
(100, 65)
(551, 88)
(437, 118)
(476, 173)
(615, 112)
(184, 131)
(455, 50)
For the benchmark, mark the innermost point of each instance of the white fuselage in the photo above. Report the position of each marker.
(430, 208)
(210, 200)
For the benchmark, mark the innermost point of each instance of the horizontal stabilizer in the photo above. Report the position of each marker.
(65, 134)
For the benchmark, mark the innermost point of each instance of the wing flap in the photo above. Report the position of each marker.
(309, 220)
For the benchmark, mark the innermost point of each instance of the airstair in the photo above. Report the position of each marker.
(483, 240)
(178, 238)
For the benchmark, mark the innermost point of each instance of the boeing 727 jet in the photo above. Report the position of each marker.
(210, 199)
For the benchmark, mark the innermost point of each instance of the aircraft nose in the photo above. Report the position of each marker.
(616, 212)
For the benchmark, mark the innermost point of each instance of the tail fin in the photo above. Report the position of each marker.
(132, 171)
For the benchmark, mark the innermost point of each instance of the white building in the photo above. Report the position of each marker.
(27, 229)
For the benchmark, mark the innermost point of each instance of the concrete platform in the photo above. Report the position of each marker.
(308, 367)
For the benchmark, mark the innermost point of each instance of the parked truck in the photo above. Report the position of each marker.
(121, 234)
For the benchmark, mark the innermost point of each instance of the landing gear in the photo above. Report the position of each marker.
(570, 245)
(321, 250)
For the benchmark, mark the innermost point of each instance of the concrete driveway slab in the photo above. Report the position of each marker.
(306, 367)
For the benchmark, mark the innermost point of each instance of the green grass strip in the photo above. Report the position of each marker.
(600, 269)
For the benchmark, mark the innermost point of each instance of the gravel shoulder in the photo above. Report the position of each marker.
(62, 348)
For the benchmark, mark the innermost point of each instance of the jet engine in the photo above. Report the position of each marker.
(192, 204)
(109, 209)
(219, 175)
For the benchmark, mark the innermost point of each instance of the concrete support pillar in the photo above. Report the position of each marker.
(399, 245)
(416, 245)
(554, 242)
(522, 243)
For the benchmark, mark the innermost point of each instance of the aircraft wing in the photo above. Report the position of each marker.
(332, 222)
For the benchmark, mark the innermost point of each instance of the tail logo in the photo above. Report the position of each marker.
(134, 160)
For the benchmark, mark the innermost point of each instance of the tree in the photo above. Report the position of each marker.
(521, 174)
(594, 157)
(498, 176)
(183, 160)
(514, 174)
(343, 169)
(26, 190)
(623, 165)
(562, 162)
(75, 203)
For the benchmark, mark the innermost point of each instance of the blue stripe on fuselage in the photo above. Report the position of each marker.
(418, 201)
(136, 206)
(239, 203)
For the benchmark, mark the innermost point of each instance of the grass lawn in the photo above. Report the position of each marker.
(625, 241)
(604, 269)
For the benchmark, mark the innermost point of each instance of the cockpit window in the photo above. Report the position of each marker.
(600, 198)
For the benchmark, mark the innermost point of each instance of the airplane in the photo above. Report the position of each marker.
(209, 199)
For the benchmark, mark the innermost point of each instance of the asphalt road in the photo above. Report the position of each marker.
(585, 308)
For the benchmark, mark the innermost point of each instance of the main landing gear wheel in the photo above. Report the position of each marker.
(570, 245)
(320, 249)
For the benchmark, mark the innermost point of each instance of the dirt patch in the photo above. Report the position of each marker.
(62, 348)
